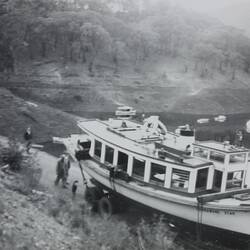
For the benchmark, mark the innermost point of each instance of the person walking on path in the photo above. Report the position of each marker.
(60, 172)
(28, 138)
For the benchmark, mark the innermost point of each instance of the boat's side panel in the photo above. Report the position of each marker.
(232, 220)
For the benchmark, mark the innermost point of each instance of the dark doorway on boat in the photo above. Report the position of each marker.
(122, 161)
(217, 180)
(109, 155)
(201, 181)
(138, 168)
(158, 174)
(98, 148)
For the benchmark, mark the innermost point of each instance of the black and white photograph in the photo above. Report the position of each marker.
(125, 124)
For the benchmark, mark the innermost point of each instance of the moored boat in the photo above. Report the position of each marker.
(125, 112)
(203, 182)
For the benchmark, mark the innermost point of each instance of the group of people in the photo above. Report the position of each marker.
(62, 167)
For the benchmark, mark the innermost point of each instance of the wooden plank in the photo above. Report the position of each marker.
(219, 196)
(170, 150)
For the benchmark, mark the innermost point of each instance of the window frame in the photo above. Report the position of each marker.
(105, 157)
(135, 175)
(95, 149)
(175, 171)
(157, 182)
(234, 180)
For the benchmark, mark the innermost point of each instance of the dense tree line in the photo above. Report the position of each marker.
(83, 31)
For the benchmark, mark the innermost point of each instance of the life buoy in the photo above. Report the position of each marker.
(105, 207)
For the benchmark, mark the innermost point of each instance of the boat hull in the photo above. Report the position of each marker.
(226, 218)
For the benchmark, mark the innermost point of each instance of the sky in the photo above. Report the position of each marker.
(207, 5)
(231, 12)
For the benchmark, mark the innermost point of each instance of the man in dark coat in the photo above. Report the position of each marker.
(60, 172)
(28, 138)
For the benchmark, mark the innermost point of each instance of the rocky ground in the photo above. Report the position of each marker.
(29, 210)
(25, 225)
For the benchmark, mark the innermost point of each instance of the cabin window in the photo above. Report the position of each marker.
(200, 152)
(237, 158)
(180, 179)
(109, 154)
(138, 168)
(122, 161)
(98, 148)
(201, 180)
(158, 174)
(217, 179)
(215, 156)
(234, 179)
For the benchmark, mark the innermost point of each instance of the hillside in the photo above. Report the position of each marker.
(158, 87)
(16, 114)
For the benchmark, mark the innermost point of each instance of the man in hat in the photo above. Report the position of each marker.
(60, 172)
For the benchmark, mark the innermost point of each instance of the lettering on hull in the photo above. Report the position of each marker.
(214, 211)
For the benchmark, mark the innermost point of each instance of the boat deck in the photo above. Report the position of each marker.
(221, 147)
(126, 138)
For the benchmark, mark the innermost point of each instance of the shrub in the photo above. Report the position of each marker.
(13, 155)
(116, 234)
(156, 236)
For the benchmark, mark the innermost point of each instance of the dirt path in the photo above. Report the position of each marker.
(48, 163)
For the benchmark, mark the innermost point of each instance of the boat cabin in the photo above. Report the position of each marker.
(151, 155)
(230, 163)
(145, 157)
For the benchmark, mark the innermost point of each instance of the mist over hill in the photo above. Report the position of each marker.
(236, 15)
(160, 43)
(233, 13)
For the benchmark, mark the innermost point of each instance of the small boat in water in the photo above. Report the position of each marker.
(125, 112)
(203, 120)
(203, 182)
(220, 118)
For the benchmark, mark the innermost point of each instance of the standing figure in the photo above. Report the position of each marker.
(66, 167)
(74, 188)
(28, 138)
(239, 138)
(188, 150)
(60, 172)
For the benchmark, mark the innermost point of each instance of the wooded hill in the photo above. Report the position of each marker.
(149, 54)
(85, 32)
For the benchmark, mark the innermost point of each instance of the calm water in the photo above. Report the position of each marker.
(186, 232)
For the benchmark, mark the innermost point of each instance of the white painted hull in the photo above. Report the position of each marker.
(228, 218)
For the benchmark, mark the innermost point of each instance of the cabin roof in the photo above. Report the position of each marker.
(127, 140)
(124, 107)
(219, 146)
